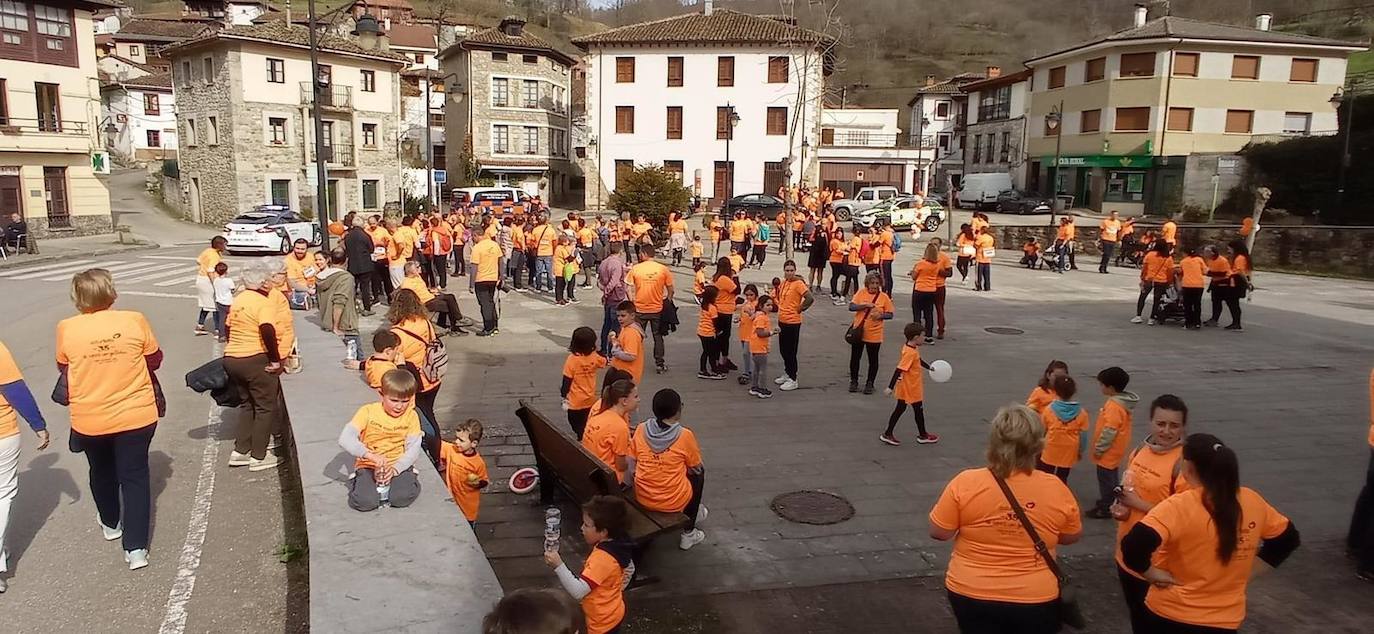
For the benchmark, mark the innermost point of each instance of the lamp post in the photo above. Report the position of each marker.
(731, 120)
(1344, 96)
(321, 176)
(1054, 120)
(920, 155)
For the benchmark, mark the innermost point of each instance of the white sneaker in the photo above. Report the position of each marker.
(780, 380)
(136, 558)
(237, 459)
(269, 462)
(691, 538)
(701, 514)
(1151, 322)
(788, 385)
(273, 443)
(1137, 320)
(110, 534)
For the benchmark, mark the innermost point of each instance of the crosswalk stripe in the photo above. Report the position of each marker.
(156, 274)
(179, 280)
(147, 267)
(179, 258)
(67, 270)
(44, 267)
(112, 267)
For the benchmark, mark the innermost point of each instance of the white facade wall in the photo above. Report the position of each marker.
(939, 125)
(345, 71)
(869, 127)
(130, 138)
(699, 96)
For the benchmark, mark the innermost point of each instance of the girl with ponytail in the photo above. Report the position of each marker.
(608, 433)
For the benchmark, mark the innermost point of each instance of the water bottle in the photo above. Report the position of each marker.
(553, 520)
(352, 354)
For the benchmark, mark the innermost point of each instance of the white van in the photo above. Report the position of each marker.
(980, 190)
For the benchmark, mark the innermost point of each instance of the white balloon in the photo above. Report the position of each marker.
(940, 371)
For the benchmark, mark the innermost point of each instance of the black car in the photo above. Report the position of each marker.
(753, 203)
(1023, 202)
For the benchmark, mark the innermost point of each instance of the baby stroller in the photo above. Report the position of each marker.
(1132, 252)
(1171, 306)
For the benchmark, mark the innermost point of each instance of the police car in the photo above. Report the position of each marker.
(269, 228)
(904, 211)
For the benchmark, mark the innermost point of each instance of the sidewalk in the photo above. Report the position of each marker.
(56, 249)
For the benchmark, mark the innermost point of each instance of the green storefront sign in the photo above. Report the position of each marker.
(1116, 161)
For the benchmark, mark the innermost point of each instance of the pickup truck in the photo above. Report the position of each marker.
(864, 199)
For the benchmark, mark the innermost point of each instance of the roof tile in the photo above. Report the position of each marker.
(295, 35)
(721, 27)
(161, 28)
(1174, 26)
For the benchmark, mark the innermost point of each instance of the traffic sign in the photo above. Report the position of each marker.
(440, 176)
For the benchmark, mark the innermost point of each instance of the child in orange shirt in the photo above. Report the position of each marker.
(666, 467)
(1044, 390)
(465, 472)
(699, 278)
(760, 327)
(908, 386)
(579, 378)
(1031, 253)
(706, 332)
(609, 566)
(1065, 421)
(385, 439)
(627, 345)
(698, 250)
(387, 357)
(745, 317)
(1111, 436)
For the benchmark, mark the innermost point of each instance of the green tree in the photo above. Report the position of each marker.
(650, 190)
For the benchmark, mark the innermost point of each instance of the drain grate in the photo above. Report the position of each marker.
(812, 507)
(1003, 330)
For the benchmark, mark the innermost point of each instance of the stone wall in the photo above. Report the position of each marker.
(80, 226)
(172, 195)
(1347, 251)
(206, 167)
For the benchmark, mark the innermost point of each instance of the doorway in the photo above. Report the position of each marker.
(55, 193)
(195, 199)
(332, 198)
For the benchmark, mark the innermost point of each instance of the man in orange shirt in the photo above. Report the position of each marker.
(984, 250)
(1193, 280)
(300, 273)
(1108, 233)
(1156, 274)
(544, 236)
(487, 278)
(652, 284)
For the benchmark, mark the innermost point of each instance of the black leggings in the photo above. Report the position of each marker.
(789, 340)
(1156, 624)
(710, 353)
(980, 616)
(1218, 299)
(855, 351)
(723, 335)
(1134, 589)
(923, 310)
(962, 264)
(851, 279)
(1158, 289)
(698, 482)
(918, 410)
(836, 272)
(577, 420)
(424, 401)
(1192, 306)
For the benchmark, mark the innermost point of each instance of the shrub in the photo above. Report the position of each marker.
(650, 190)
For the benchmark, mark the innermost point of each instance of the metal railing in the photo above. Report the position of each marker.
(859, 138)
(331, 96)
(338, 154)
(14, 125)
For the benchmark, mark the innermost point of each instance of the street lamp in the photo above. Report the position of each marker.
(1344, 96)
(731, 120)
(920, 155)
(1054, 120)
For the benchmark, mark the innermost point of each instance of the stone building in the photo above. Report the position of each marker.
(506, 117)
(247, 135)
(996, 125)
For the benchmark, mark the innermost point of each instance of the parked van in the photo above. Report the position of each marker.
(501, 200)
(980, 190)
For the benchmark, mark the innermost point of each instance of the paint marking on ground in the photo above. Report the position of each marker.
(178, 258)
(43, 267)
(157, 294)
(144, 268)
(112, 266)
(179, 280)
(159, 273)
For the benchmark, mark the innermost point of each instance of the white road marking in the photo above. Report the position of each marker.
(43, 267)
(67, 270)
(179, 280)
(163, 272)
(157, 294)
(179, 258)
(111, 266)
(143, 269)
(174, 616)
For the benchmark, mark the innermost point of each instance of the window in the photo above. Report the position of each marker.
(276, 130)
(531, 93)
(436, 119)
(214, 131)
(1057, 77)
(1239, 121)
(1090, 121)
(154, 138)
(531, 140)
(725, 71)
(190, 136)
(498, 57)
(942, 141)
(1297, 122)
(369, 135)
(558, 142)
(14, 16)
(1095, 69)
(280, 192)
(624, 119)
(1125, 186)
(4, 104)
(942, 110)
(994, 104)
(276, 71)
(674, 72)
(778, 69)
(55, 195)
(419, 58)
(1180, 120)
(675, 167)
(777, 121)
(47, 97)
(1185, 64)
(624, 70)
(368, 79)
(1138, 65)
(134, 51)
(1132, 119)
(207, 69)
(1245, 67)
(1303, 70)
(370, 194)
(54, 26)
(723, 128)
(530, 59)
(675, 122)
(622, 170)
(150, 104)
(977, 149)
(1005, 155)
(500, 139)
(186, 75)
(500, 92)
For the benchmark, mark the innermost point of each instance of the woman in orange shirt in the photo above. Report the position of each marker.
(1219, 272)
(997, 581)
(941, 282)
(1193, 280)
(1240, 280)
(706, 331)
(409, 320)
(839, 249)
(967, 250)
(1044, 392)
(1156, 274)
(872, 308)
(926, 275)
(985, 249)
(724, 279)
(746, 332)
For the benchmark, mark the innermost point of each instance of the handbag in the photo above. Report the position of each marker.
(855, 334)
(1070, 613)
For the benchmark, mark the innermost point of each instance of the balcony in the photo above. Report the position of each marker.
(861, 138)
(331, 97)
(44, 135)
(339, 155)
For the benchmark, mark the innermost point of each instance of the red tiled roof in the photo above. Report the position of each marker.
(412, 36)
(159, 80)
(996, 82)
(289, 35)
(723, 26)
(496, 38)
(169, 30)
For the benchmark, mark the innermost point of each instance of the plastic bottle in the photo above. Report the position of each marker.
(553, 520)
(352, 353)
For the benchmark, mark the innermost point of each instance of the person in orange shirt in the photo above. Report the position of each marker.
(450, 315)
(1360, 539)
(698, 250)
(886, 253)
(252, 361)
(717, 228)
(652, 283)
(941, 286)
(760, 326)
(1219, 274)
(852, 261)
(872, 307)
(487, 277)
(381, 257)
(544, 236)
(1063, 241)
(724, 279)
(926, 275)
(607, 435)
(1043, 392)
(385, 440)
(1193, 280)
(1111, 436)
(1066, 425)
(301, 273)
(579, 378)
(985, 249)
(1207, 540)
(16, 400)
(205, 281)
(564, 271)
(839, 250)
(666, 466)
(607, 571)
(1156, 275)
(908, 386)
(441, 242)
(677, 236)
(979, 222)
(465, 472)
(409, 320)
(1108, 235)
(1169, 233)
(794, 298)
(1241, 284)
(627, 345)
(965, 243)
(996, 581)
(745, 319)
(706, 332)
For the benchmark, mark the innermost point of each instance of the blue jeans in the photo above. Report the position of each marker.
(543, 270)
(609, 325)
(748, 358)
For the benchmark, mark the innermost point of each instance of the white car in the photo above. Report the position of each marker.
(905, 211)
(270, 228)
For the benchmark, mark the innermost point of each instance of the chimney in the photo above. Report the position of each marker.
(513, 26)
(1263, 20)
(708, 7)
(994, 71)
(365, 29)
(288, 13)
(930, 80)
(1141, 14)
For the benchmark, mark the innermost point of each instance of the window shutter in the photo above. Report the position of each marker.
(624, 70)
(1245, 67)
(674, 72)
(1138, 65)
(1057, 77)
(1132, 119)
(725, 71)
(1185, 64)
(1303, 70)
(1180, 119)
(777, 121)
(1239, 121)
(675, 122)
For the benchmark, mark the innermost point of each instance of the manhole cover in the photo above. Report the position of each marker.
(812, 507)
(1003, 330)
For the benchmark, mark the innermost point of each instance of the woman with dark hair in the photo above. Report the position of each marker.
(1156, 274)
(967, 250)
(727, 290)
(839, 250)
(1240, 280)
(409, 320)
(816, 259)
(1209, 538)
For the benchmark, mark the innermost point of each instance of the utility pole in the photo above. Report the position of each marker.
(321, 175)
(429, 144)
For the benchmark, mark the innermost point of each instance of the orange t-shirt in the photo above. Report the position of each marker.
(1241, 265)
(875, 249)
(457, 469)
(736, 262)
(760, 321)
(699, 282)
(746, 321)
(1154, 477)
(380, 236)
(1062, 437)
(738, 229)
(852, 257)
(652, 282)
(1219, 270)
(417, 286)
(604, 606)
(911, 385)
(249, 310)
(543, 237)
(582, 369)
(382, 433)
(1207, 592)
(301, 270)
(1039, 398)
(563, 255)
(109, 385)
(1194, 272)
(966, 246)
(697, 249)
(790, 296)
(661, 478)
(945, 265)
(1157, 269)
(413, 347)
(404, 240)
(517, 237)
(706, 325)
(375, 369)
(977, 224)
(206, 261)
(838, 250)
(487, 256)
(607, 436)
(631, 340)
(885, 251)
(1109, 230)
(1112, 416)
(725, 300)
(284, 321)
(927, 275)
(985, 245)
(585, 237)
(9, 373)
(993, 557)
(873, 328)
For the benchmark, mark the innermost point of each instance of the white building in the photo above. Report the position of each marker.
(996, 128)
(686, 91)
(140, 116)
(863, 147)
(937, 111)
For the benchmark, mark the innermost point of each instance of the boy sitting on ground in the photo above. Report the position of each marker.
(385, 439)
(609, 567)
(465, 472)
(1031, 253)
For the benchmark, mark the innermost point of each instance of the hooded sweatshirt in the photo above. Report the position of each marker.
(1112, 434)
(335, 288)
(1065, 443)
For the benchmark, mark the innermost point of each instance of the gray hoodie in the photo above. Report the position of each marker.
(1128, 401)
(659, 437)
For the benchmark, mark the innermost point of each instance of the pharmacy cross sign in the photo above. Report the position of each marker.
(100, 162)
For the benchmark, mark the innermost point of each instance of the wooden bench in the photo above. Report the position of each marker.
(565, 464)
